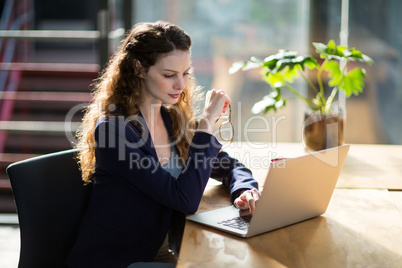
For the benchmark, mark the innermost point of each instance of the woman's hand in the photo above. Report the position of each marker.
(216, 103)
(247, 200)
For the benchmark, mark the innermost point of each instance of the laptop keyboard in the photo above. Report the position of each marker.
(241, 223)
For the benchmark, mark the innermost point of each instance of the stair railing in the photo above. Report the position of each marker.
(13, 18)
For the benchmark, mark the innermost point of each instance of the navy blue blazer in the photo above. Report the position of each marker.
(135, 202)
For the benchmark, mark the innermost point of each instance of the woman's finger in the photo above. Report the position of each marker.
(215, 103)
(248, 200)
(256, 194)
(240, 204)
(251, 201)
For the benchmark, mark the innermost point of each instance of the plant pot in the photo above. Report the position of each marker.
(322, 131)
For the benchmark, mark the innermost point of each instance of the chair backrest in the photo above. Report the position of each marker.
(50, 199)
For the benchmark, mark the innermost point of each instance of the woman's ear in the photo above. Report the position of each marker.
(138, 69)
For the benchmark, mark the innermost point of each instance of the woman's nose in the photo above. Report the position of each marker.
(179, 84)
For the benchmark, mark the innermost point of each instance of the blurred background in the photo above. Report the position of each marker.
(52, 50)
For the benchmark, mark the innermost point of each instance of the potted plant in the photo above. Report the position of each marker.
(280, 70)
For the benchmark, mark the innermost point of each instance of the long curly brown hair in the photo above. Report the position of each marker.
(119, 87)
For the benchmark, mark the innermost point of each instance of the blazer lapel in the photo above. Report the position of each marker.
(142, 129)
(167, 120)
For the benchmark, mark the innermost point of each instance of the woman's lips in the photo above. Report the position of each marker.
(175, 95)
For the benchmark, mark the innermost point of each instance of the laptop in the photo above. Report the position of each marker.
(295, 189)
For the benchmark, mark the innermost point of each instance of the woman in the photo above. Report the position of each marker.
(148, 157)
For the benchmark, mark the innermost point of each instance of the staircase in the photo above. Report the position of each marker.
(48, 100)
(40, 102)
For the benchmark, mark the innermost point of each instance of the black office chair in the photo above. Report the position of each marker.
(51, 199)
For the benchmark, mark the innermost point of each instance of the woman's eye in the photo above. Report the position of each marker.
(174, 75)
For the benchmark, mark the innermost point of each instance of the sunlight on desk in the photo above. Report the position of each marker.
(361, 228)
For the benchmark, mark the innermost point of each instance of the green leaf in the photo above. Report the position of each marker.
(325, 50)
(333, 52)
(340, 51)
(331, 47)
(272, 101)
(334, 73)
(253, 63)
(237, 66)
(270, 63)
(282, 64)
(347, 53)
(353, 82)
(310, 62)
(367, 59)
(279, 104)
(286, 61)
(290, 73)
(261, 105)
(274, 79)
(356, 54)
(320, 47)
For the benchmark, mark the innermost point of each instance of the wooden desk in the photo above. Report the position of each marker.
(361, 228)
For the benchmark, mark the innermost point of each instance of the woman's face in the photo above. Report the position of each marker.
(166, 80)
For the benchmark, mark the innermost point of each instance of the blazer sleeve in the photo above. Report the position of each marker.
(233, 174)
(121, 153)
